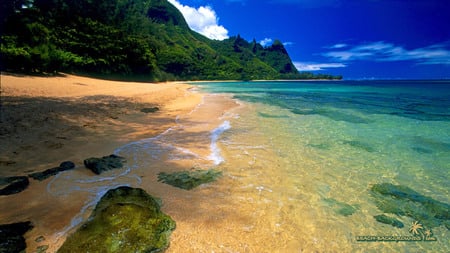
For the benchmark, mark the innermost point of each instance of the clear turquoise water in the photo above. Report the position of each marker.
(324, 144)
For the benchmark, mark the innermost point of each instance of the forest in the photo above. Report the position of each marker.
(147, 39)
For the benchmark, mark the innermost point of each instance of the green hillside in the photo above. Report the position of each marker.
(127, 38)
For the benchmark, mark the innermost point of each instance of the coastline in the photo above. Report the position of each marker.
(48, 120)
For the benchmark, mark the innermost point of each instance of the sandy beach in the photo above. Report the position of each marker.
(48, 120)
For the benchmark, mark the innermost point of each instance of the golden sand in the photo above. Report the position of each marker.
(48, 120)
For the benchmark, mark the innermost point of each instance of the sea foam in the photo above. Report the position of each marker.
(215, 134)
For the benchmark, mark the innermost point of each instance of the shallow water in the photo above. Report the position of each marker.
(303, 156)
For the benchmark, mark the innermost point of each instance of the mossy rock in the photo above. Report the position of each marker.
(388, 220)
(125, 220)
(404, 201)
(189, 179)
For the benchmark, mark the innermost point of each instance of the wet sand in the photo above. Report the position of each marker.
(48, 120)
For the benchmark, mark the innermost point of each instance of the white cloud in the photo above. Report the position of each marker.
(382, 51)
(311, 66)
(340, 45)
(266, 42)
(203, 20)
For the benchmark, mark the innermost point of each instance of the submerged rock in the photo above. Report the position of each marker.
(125, 220)
(13, 184)
(11, 237)
(68, 165)
(340, 207)
(99, 165)
(404, 201)
(188, 180)
(388, 220)
(360, 145)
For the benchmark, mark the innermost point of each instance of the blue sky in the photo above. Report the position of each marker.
(359, 39)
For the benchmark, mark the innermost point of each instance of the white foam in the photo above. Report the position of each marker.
(215, 134)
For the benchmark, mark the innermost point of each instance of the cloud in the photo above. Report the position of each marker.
(203, 20)
(382, 51)
(310, 66)
(340, 45)
(266, 42)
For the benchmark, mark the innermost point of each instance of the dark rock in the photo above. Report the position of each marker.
(68, 165)
(98, 165)
(13, 185)
(388, 220)
(404, 201)
(125, 220)
(11, 237)
(189, 179)
(150, 109)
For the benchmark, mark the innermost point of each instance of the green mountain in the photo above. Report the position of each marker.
(128, 38)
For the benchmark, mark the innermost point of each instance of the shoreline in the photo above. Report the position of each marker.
(49, 120)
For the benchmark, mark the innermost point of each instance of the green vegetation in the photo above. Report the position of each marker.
(148, 39)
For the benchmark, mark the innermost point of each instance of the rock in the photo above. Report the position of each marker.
(98, 165)
(11, 237)
(188, 180)
(341, 208)
(404, 201)
(150, 109)
(125, 220)
(13, 184)
(388, 220)
(42, 249)
(68, 165)
(40, 239)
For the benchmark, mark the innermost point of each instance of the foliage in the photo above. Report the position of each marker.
(149, 38)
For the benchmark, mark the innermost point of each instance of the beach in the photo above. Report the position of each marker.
(48, 120)
(300, 161)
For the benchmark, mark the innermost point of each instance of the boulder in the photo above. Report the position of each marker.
(99, 165)
(68, 165)
(13, 185)
(11, 237)
(125, 220)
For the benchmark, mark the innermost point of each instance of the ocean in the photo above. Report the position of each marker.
(314, 150)
(307, 166)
